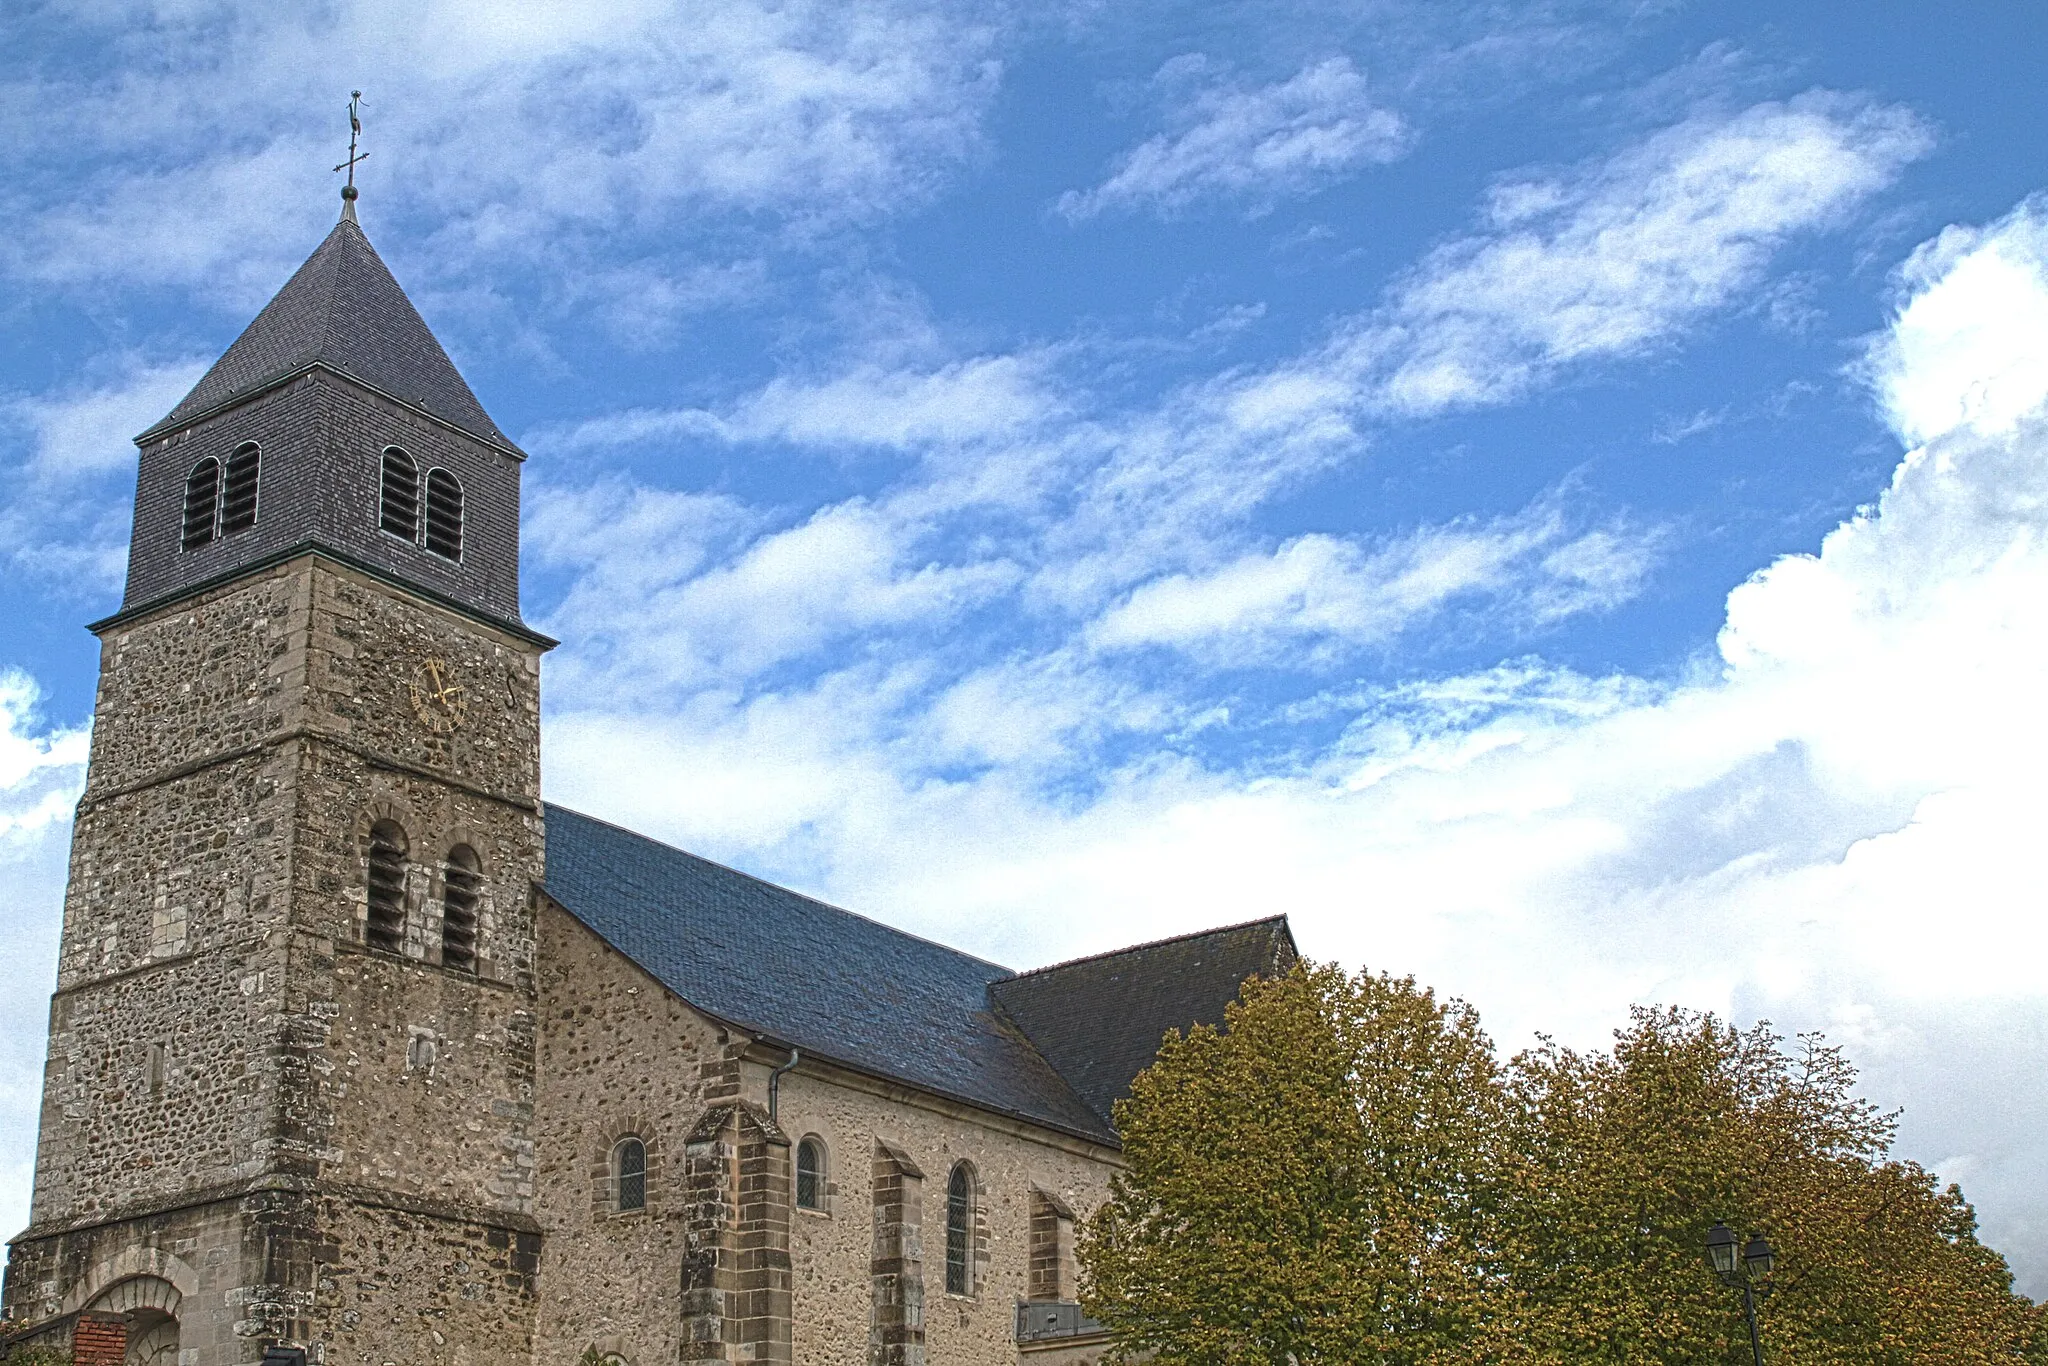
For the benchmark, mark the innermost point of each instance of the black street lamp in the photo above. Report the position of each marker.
(1757, 1261)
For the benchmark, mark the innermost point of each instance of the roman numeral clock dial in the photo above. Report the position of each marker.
(438, 699)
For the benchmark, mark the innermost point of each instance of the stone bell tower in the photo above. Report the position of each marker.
(291, 1061)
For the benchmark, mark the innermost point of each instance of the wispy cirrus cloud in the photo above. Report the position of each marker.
(978, 399)
(1619, 257)
(66, 477)
(1097, 501)
(1318, 595)
(1248, 145)
(524, 133)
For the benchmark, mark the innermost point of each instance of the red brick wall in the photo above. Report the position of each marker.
(99, 1340)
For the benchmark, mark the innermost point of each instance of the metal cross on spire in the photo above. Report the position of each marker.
(355, 129)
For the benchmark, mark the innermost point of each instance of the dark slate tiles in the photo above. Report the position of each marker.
(1100, 1020)
(343, 308)
(829, 982)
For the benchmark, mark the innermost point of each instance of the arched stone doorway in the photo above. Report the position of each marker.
(151, 1305)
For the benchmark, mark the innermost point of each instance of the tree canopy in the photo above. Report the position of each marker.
(1344, 1174)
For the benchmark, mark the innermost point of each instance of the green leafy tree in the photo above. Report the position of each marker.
(1620, 1160)
(1310, 1184)
(1343, 1174)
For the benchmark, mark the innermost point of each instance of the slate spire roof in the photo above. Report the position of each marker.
(342, 309)
(1056, 1047)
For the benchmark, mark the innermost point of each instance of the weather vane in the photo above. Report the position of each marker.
(355, 129)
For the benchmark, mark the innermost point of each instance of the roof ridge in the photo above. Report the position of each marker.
(343, 244)
(1280, 919)
(1007, 972)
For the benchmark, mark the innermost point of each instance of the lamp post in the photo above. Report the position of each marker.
(1756, 1263)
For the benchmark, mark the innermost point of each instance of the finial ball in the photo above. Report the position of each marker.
(348, 192)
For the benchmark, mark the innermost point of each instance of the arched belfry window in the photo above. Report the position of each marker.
(238, 490)
(444, 514)
(398, 501)
(629, 1175)
(810, 1173)
(462, 881)
(385, 926)
(960, 1230)
(202, 503)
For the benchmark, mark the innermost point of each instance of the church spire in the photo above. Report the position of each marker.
(344, 311)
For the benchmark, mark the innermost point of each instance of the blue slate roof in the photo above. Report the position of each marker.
(836, 985)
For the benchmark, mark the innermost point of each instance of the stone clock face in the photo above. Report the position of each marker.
(438, 699)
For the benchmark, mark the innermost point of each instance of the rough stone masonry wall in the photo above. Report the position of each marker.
(169, 977)
(619, 1054)
(831, 1251)
(220, 1035)
(419, 1076)
(222, 1258)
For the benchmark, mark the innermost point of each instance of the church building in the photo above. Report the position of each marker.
(362, 1054)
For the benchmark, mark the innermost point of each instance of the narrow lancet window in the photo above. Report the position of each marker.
(629, 1175)
(460, 892)
(398, 507)
(444, 514)
(810, 1174)
(385, 927)
(959, 1230)
(238, 491)
(202, 503)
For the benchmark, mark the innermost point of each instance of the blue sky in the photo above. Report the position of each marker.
(1551, 496)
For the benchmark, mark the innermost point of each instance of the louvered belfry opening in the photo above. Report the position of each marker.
(462, 881)
(385, 927)
(238, 494)
(444, 514)
(202, 503)
(398, 508)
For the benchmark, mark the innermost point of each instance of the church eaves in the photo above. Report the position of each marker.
(341, 309)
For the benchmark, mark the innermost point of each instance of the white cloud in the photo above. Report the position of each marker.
(41, 772)
(1601, 263)
(979, 399)
(1321, 588)
(527, 132)
(1615, 259)
(1975, 351)
(654, 604)
(1252, 145)
(84, 433)
(1595, 264)
(66, 487)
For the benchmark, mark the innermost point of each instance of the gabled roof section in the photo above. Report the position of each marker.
(1100, 1020)
(342, 309)
(836, 985)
